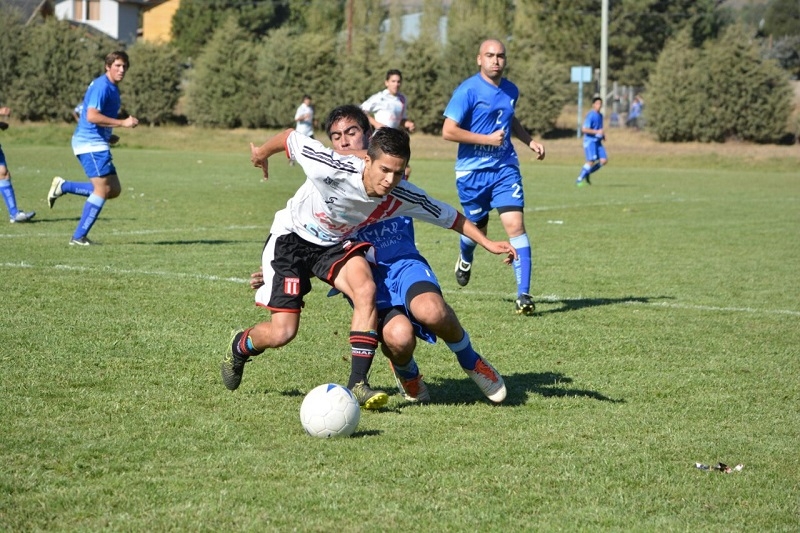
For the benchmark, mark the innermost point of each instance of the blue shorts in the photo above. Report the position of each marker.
(480, 191)
(2, 158)
(394, 282)
(594, 151)
(97, 164)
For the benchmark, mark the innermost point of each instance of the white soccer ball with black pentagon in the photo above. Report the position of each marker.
(330, 410)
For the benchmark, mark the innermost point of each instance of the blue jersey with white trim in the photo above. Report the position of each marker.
(102, 95)
(481, 107)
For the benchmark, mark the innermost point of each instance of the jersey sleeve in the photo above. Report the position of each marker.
(369, 105)
(417, 204)
(459, 104)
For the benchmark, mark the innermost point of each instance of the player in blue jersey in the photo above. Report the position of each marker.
(15, 214)
(593, 137)
(91, 144)
(480, 118)
(408, 299)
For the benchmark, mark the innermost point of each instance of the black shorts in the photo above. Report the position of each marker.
(288, 263)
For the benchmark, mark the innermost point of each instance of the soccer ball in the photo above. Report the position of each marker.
(330, 410)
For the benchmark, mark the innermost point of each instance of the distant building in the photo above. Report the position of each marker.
(119, 19)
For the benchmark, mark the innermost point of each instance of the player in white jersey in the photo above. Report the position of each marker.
(304, 117)
(311, 237)
(389, 108)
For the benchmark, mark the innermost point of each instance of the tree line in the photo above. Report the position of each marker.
(247, 64)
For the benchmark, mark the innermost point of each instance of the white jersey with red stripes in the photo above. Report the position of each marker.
(333, 204)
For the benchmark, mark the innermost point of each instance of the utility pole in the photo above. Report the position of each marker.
(604, 55)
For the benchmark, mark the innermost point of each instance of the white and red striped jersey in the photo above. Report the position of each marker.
(333, 204)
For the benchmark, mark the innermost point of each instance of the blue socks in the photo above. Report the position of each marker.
(408, 371)
(522, 265)
(466, 355)
(8, 196)
(91, 210)
(467, 249)
(81, 188)
(585, 171)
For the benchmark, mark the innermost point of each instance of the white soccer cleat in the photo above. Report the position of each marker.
(488, 380)
(22, 216)
(55, 191)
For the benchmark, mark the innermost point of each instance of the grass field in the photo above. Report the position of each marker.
(667, 333)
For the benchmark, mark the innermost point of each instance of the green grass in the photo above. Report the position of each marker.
(667, 333)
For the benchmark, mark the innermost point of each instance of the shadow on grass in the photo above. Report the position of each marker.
(576, 304)
(189, 242)
(519, 386)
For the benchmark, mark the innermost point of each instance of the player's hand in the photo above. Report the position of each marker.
(496, 138)
(538, 148)
(502, 247)
(410, 126)
(5, 111)
(257, 279)
(3, 126)
(259, 160)
(114, 139)
(130, 122)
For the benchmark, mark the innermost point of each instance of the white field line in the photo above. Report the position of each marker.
(61, 234)
(544, 298)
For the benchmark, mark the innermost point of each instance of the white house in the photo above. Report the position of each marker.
(119, 19)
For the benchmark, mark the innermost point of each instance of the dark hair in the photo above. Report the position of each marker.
(596, 98)
(113, 56)
(393, 72)
(347, 111)
(389, 141)
(306, 96)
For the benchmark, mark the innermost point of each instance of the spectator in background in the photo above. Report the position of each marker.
(635, 112)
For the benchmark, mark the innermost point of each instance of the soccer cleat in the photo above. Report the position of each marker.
(414, 389)
(524, 305)
(22, 216)
(83, 241)
(463, 271)
(488, 380)
(55, 191)
(232, 367)
(369, 398)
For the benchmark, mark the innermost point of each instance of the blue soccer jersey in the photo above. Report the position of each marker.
(480, 107)
(102, 95)
(594, 121)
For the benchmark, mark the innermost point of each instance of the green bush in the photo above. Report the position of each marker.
(56, 64)
(152, 86)
(11, 28)
(222, 88)
(721, 91)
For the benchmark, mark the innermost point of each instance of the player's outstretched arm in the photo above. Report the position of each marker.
(274, 145)
(468, 229)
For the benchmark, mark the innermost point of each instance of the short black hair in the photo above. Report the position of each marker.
(347, 111)
(389, 141)
(596, 98)
(393, 72)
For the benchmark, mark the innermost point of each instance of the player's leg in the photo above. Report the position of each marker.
(590, 151)
(472, 192)
(283, 283)
(15, 214)
(508, 197)
(429, 309)
(397, 344)
(353, 277)
(105, 186)
(601, 161)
